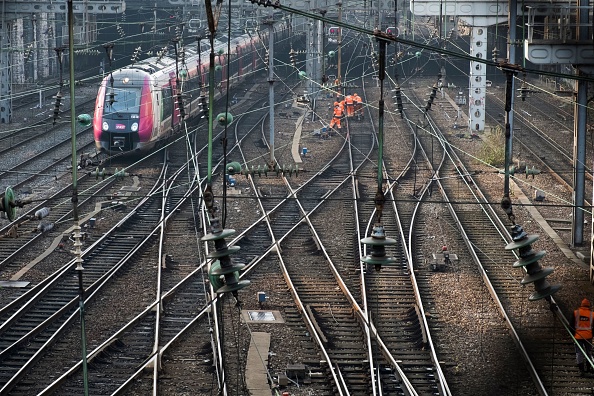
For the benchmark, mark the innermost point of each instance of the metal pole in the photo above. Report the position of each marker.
(270, 23)
(506, 203)
(579, 161)
(77, 234)
(579, 144)
(339, 4)
(323, 48)
(380, 130)
(511, 56)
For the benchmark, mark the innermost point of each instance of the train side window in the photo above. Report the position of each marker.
(167, 102)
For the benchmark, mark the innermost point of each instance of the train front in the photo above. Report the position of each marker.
(123, 119)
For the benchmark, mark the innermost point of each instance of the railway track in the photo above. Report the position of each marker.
(32, 323)
(358, 331)
(484, 233)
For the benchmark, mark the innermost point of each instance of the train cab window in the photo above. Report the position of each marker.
(124, 101)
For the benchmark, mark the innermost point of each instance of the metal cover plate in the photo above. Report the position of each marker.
(262, 316)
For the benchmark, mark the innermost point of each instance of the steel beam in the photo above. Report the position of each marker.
(546, 52)
(13, 8)
(459, 8)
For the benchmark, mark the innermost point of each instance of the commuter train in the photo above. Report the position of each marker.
(137, 108)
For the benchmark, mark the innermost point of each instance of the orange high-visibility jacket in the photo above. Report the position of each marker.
(338, 111)
(583, 323)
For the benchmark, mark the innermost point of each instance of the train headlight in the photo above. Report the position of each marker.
(105, 126)
(134, 127)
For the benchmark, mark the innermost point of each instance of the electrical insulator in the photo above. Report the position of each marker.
(120, 30)
(452, 34)
(399, 101)
(523, 92)
(293, 57)
(378, 242)
(495, 54)
(431, 98)
(180, 105)
(111, 97)
(203, 106)
(8, 204)
(136, 54)
(57, 105)
(28, 52)
(223, 266)
(528, 259)
(266, 59)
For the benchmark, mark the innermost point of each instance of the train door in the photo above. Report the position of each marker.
(239, 57)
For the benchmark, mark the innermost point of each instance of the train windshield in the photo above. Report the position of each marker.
(122, 101)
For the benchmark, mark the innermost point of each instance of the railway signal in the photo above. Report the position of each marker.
(334, 31)
(393, 31)
(528, 259)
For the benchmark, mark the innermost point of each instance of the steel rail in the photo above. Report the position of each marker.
(498, 225)
(92, 289)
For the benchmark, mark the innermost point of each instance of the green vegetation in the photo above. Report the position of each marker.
(493, 150)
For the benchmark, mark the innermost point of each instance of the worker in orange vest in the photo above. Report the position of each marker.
(583, 320)
(338, 109)
(357, 105)
(350, 110)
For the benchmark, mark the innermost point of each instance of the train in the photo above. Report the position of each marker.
(137, 106)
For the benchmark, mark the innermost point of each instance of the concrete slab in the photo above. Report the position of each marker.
(256, 377)
(14, 284)
(297, 139)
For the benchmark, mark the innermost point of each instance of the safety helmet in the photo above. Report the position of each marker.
(585, 302)
(336, 104)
